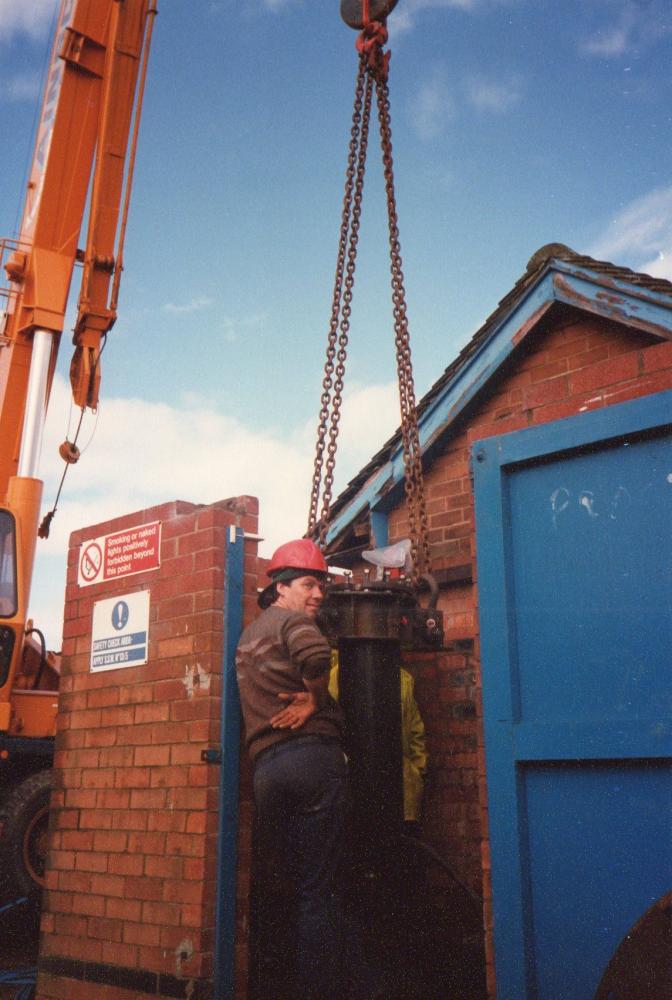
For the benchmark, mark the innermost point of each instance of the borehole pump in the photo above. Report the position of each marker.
(370, 622)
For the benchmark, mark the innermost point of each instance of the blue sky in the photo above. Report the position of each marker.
(515, 123)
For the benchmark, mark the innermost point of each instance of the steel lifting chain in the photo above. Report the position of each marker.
(418, 528)
(372, 69)
(332, 389)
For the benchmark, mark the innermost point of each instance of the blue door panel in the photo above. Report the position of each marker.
(574, 548)
(599, 847)
(591, 573)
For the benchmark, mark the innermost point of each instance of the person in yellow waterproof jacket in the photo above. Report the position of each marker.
(414, 750)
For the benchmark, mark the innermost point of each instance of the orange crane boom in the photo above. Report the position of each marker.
(81, 160)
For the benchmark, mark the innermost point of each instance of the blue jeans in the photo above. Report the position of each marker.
(301, 794)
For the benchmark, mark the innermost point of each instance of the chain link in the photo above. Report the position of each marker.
(354, 162)
(372, 69)
(346, 310)
(418, 528)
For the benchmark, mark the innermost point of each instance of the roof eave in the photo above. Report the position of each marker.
(558, 281)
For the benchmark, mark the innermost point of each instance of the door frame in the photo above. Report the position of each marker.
(229, 760)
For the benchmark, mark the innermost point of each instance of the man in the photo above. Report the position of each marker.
(300, 771)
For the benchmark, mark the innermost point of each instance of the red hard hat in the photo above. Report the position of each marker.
(298, 554)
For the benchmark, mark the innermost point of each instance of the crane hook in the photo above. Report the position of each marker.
(352, 11)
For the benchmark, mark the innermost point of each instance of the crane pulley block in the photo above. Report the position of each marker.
(354, 12)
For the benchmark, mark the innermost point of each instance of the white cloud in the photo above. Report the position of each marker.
(432, 106)
(660, 266)
(640, 236)
(235, 327)
(613, 41)
(276, 5)
(25, 17)
(404, 17)
(370, 416)
(636, 26)
(145, 453)
(490, 95)
(195, 305)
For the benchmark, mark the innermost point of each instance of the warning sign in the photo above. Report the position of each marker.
(120, 632)
(91, 562)
(134, 550)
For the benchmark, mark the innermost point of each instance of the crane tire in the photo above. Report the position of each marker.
(24, 818)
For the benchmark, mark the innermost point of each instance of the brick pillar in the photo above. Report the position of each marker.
(129, 909)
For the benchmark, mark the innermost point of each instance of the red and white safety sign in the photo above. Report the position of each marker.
(124, 553)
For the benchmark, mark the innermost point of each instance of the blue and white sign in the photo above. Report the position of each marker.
(120, 615)
(120, 632)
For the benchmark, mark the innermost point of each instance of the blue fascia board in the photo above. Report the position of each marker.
(619, 284)
(563, 282)
(613, 299)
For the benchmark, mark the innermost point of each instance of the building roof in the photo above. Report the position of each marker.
(556, 278)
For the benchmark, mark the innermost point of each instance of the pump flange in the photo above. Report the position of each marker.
(380, 610)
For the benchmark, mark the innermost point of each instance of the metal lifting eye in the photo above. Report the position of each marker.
(352, 11)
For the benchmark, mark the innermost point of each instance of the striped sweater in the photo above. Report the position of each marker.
(274, 654)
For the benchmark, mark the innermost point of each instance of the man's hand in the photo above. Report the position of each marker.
(302, 704)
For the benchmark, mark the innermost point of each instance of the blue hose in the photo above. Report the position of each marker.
(14, 902)
(24, 979)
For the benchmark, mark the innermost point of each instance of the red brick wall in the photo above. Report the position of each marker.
(580, 365)
(131, 868)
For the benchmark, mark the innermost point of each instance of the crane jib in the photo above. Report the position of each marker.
(46, 127)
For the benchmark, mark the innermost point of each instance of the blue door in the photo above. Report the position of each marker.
(574, 547)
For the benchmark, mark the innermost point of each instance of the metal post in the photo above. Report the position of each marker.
(227, 843)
